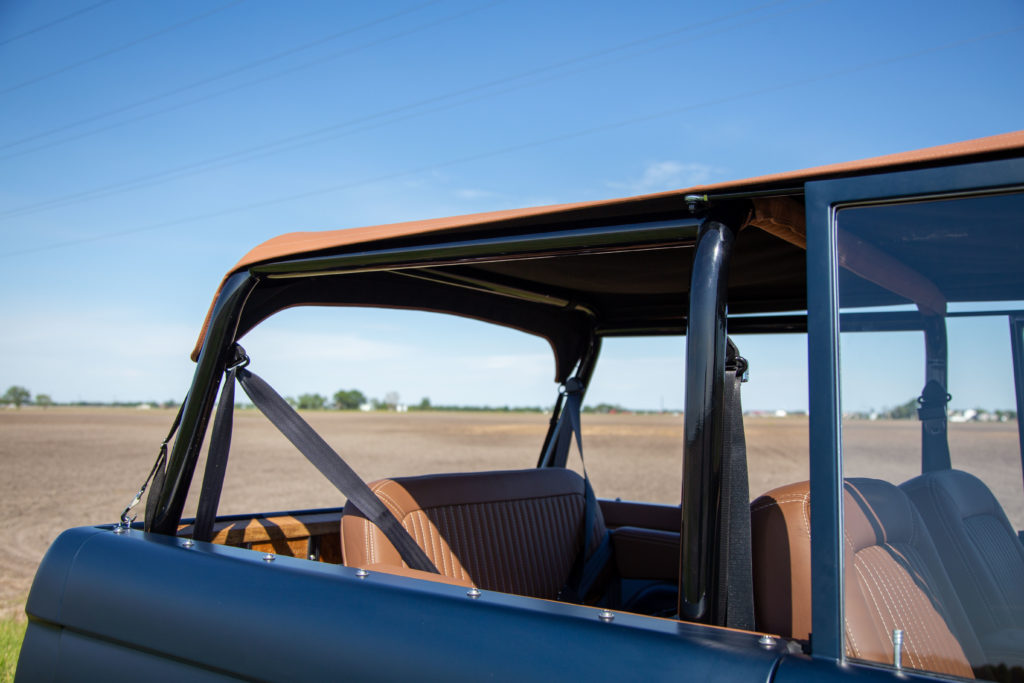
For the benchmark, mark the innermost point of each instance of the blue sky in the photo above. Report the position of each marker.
(146, 146)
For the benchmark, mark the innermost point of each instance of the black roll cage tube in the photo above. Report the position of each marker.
(702, 415)
(225, 317)
(198, 407)
(1017, 350)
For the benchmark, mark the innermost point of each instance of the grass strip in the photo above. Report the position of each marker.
(12, 632)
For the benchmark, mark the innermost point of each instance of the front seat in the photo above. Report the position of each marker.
(982, 554)
(893, 578)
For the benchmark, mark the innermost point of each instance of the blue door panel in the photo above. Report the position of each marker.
(227, 611)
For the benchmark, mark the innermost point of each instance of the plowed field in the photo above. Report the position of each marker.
(65, 467)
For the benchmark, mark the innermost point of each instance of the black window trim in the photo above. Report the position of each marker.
(824, 199)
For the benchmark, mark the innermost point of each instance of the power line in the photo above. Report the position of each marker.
(119, 48)
(256, 81)
(519, 147)
(335, 131)
(210, 79)
(49, 24)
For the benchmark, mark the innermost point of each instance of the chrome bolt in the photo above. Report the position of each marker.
(766, 642)
(694, 202)
(187, 543)
(606, 616)
(362, 573)
(897, 648)
(473, 592)
(120, 529)
(269, 557)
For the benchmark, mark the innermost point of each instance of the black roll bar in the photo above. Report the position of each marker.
(702, 415)
(198, 405)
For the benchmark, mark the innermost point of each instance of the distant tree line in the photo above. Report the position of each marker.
(908, 410)
(354, 399)
(19, 396)
(605, 409)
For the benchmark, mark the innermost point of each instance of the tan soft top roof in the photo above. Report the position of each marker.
(298, 244)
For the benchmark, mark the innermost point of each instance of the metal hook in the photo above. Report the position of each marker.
(126, 521)
(241, 360)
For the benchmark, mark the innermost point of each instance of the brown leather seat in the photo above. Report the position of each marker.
(893, 578)
(513, 531)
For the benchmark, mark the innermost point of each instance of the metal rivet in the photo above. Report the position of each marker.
(473, 592)
(269, 557)
(606, 616)
(766, 641)
(187, 543)
(362, 573)
(694, 202)
(119, 529)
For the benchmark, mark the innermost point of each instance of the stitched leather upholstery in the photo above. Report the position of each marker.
(893, 578)
(982, 554)
(780, 534)
(513, 531)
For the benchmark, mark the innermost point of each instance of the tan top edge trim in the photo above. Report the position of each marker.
(297, 243)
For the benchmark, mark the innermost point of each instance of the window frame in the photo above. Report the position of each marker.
(823, 201)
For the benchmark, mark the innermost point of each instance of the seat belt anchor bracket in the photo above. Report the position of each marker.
(240, 359)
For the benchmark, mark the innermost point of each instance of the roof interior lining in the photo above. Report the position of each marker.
(784, 218)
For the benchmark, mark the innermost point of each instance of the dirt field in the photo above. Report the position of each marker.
(66, 467)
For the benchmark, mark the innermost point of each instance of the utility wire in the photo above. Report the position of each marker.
(256, 81)
(119, 48)
(206, 81)
(345, 128)
(49, 24)
(519, 147)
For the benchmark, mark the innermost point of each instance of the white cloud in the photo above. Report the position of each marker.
(470, 194)
(658, 176)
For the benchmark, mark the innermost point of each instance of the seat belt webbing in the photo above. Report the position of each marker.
(735, 582)
(331, 465)
(588, 565)
(934, 397)
(316, 450)
(932, 414)
(216, 460)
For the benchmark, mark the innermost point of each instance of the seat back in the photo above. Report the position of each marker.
(982, 553)
(893, 578)
(515, 531)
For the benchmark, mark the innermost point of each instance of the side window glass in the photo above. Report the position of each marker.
(632, 420)
(422, 393)
(633, 423)
(775, 410)
(934, 569)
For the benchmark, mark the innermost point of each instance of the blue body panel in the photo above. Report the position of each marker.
(107, 606)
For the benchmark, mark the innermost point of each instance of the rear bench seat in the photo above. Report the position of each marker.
(894, 578)
(515, 531)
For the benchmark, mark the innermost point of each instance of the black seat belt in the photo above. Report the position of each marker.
(588, 565)
(735, 582)
(934, 397)
(311, 445)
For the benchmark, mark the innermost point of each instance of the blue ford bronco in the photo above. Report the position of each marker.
(908, 566)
